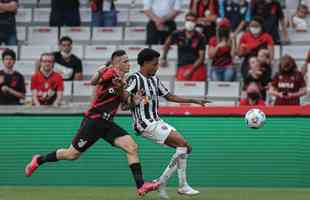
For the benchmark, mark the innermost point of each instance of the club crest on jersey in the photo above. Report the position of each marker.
(164, 127)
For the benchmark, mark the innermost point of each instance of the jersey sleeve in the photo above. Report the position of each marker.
(163, 91)
(174, 37)
(79, 67)
(132, 85)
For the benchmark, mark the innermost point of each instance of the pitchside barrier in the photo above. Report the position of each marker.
(225, 152)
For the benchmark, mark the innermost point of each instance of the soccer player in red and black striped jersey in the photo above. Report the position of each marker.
(97, 123)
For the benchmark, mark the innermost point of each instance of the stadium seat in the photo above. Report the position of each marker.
(135, 35)
(68, 91)
(123, 15)
(28, 2)
(41, 15)
(296, 51)
(132, 50)
(277, 52)
(24, 15)
(172, 53)
(42, 35)
(85, 14)
(77, 50)
(77, 34)
(82, 91)
(223, 91)
(89, 67)
(21, 33)
(190, 88)
(301, 38)
(107, 35)
(33, 52)
(169, 70)
(137, 16)
(14, 48)
(25, 67)
(99, 52)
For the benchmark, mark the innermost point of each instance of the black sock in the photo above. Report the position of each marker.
(51, 157)
(137, 174)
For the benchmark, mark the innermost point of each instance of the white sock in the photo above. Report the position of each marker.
(182, 164)
(172, 166)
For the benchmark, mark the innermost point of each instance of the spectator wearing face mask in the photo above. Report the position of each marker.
(221, 50)
(207, 12)
(238, 12)
(253, 96)
(272, 13)
(66, 63)
(252, 41)
(299, 20)
(288, 85)
(191, 51)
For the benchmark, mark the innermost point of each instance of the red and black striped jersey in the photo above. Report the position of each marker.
(107, 95)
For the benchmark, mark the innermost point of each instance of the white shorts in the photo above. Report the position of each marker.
(157, 131)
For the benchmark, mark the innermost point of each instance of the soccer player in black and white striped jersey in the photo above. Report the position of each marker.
(142, 94)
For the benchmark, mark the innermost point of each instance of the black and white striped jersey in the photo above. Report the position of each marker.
(147, 111)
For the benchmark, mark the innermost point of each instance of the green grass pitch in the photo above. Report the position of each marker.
(124, 193)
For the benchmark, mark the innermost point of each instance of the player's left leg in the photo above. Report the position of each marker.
(175, 140)
(120, 138)
(162, 133)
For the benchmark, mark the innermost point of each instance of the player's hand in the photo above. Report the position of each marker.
(138, 97)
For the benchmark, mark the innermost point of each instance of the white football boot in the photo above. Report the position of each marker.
(188, 191)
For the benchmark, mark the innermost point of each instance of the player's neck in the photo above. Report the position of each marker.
(144, 73)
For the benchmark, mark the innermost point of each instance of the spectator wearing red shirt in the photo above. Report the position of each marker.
(191, 51)
(252, 41)
(272, 13)
(207, 13)
(46, 85)
(288, 85)
(253, 96)
(221, 51)
(12, 83)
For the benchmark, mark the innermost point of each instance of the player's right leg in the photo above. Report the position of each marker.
(85, 138)
(117, 136)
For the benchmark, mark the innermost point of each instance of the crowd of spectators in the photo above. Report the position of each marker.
(231, 31)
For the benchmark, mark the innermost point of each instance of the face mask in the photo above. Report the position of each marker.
(65, 55)
(255, 31)
(254, 96)
(189, 25)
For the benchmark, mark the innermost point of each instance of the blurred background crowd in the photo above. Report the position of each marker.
(245, 52)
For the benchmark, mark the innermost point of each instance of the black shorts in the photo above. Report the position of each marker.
(92, 130)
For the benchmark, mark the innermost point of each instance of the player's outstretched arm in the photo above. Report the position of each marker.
(177, 99)
(96, 76)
